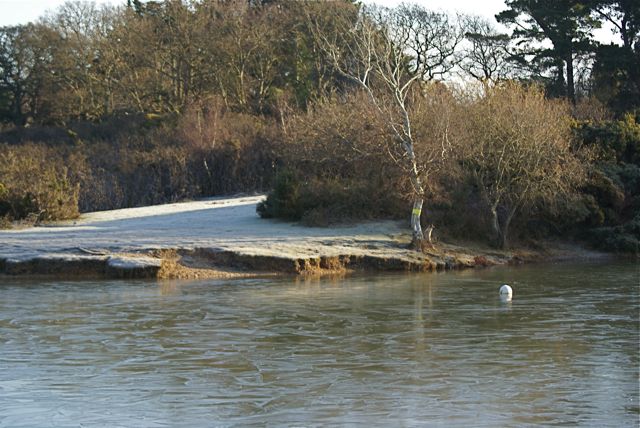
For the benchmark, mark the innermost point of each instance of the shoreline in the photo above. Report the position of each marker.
(224, 238)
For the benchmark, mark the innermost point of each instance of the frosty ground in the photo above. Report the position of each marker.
(130, 236)
(218, 237)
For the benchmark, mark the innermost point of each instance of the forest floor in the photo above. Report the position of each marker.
(224, 237)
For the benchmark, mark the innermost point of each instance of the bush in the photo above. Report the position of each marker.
(617, 141)
(228, 151)
(335, 167)
(621, 239)
(36, 183)
(454, 222)
(135, 160)
(322, 202)
(328, 202)
(517, 148)
(284, 200)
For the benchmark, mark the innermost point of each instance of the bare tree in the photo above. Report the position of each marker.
(248, 46)
(16, 68)
(387, 53)
(485, 56)
(517, 146)
(78, 67)
(430, 38)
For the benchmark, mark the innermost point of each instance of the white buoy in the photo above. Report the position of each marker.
(506, 292)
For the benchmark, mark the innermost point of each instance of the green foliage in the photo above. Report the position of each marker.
(616, 77)
(626, 177)
(612, 194)
(608, 196)
(623, 239)
(615, 180)
(284, 200)
(616, 140)
(334, 201)
(567, 24)
(321, 202)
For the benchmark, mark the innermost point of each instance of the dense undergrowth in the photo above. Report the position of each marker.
(326, 166)
(361, 182)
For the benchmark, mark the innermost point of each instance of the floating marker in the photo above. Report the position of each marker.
(506, 292)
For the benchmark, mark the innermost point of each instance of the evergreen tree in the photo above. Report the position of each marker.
(616, 71)
(566, 24)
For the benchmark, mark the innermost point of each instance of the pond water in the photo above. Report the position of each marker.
(384, 350)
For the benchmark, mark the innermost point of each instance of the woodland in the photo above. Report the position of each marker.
(508, 134)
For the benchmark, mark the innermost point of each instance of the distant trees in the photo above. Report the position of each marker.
(571, 52)
(431, 39)
(25, 60)
(616, 71)
(15, 67)
(88, 62)
(566, 24)
(79, 78)
(486, 56)
(623, 15)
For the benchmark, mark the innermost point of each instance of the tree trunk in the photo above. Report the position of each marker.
(495, 223)
(417, 240)
(501, 230)
(505, 226)
(416, 228)
(571, 91)
(503, 238)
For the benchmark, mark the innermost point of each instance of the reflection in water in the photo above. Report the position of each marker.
(393, 349)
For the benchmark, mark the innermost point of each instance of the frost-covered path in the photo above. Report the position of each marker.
(226, 224)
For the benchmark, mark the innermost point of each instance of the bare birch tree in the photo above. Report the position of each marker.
(379, 49)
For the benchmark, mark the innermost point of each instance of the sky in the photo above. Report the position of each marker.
(13, 12)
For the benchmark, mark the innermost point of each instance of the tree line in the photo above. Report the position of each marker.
(153, 101)
(87, 62)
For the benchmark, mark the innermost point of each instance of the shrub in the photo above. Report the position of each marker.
(321, 201)
(517, 148)
(132, 160)
(621, 239)
(617, 141)
(336, 167)
(284, 200)
(228, 151)
(328, 202)
(36, 183)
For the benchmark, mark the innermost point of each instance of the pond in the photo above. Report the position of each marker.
(399, 350)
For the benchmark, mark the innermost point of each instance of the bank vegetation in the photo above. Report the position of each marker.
(341, 112)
